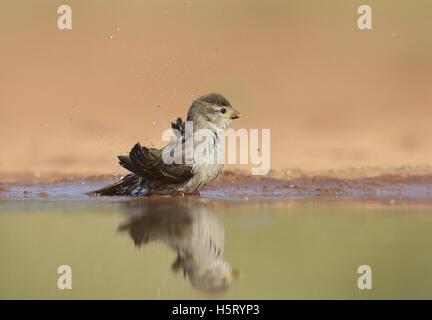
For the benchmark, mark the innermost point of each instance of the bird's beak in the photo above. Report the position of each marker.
(235, 274)
(234, 115)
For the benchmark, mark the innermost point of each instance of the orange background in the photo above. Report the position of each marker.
(333, 96)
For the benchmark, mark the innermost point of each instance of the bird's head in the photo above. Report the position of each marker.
(213, 108)
(214, 278)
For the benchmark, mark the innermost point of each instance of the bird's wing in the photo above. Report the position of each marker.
(148, 162)
(179, 125)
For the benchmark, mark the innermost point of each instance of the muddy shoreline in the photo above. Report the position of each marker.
(352, 173)
(402, 185)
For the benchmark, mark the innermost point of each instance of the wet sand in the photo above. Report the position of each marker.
(390, 188)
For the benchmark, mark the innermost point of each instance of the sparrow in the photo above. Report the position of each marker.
(193, 231)
(151, 175)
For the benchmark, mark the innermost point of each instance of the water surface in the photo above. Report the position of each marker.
(181, 248)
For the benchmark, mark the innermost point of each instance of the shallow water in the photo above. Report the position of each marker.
(284, 247)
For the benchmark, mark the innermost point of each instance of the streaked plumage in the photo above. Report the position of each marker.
(150, 175)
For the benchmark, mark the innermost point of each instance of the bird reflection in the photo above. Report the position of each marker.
(192, 229)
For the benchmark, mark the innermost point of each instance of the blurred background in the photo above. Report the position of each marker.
(334, 96)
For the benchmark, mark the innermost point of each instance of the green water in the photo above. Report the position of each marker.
(284, 249)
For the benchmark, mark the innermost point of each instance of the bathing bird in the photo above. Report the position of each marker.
(184, 166)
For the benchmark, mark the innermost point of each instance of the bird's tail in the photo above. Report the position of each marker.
(124, 186)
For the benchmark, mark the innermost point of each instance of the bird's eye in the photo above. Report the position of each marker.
(223, 110)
